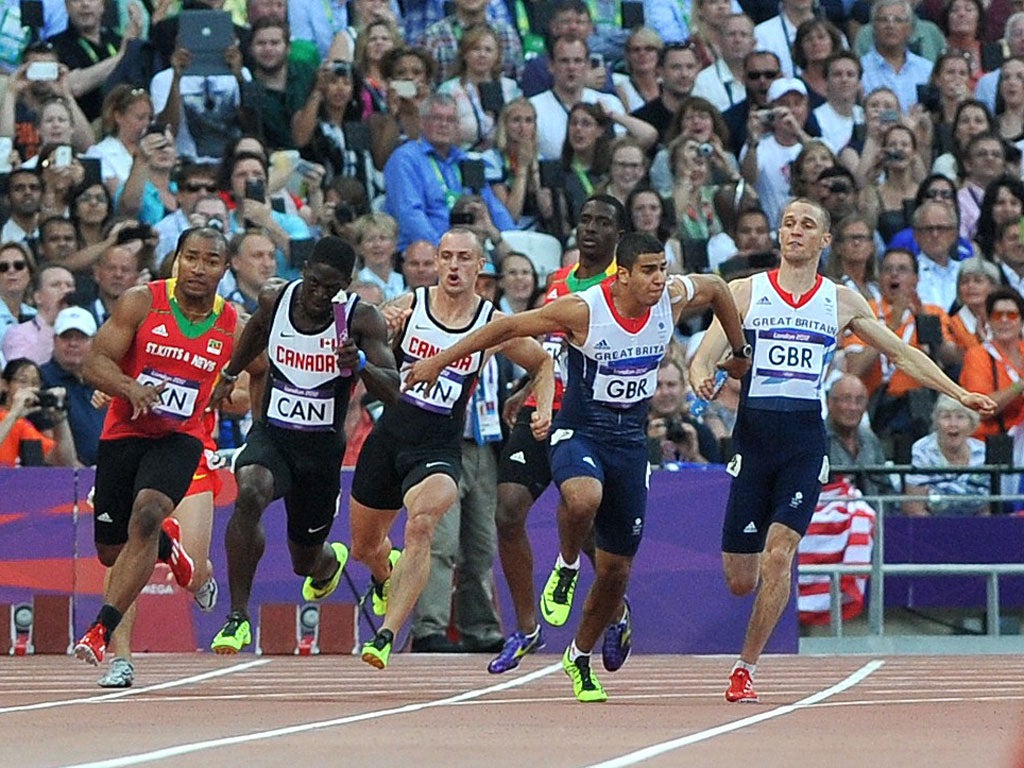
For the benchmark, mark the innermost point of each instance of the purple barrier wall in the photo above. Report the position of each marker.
(953, 540)
(678, 594)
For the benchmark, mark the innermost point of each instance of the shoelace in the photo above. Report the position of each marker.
(565, 580)
(583, 666)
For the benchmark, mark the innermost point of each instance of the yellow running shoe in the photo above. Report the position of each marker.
(311, 593)
(377, 651)
(235, 635)
(584, 682)
(380, 591)
(556, 599)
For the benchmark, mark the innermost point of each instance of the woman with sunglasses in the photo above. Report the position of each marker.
(639, 84)
(15, 278)
(91, 211)
(996, 366)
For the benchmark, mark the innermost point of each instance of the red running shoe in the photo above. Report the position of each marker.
(93, 644)
(181, 564)
(741, 687)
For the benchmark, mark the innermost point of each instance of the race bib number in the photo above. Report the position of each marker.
(784, 354)
(439, 397)
(293, 407)
(623, 386)
(179, 397)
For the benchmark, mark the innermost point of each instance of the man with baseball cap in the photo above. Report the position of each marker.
(73, 331)
(775, 136)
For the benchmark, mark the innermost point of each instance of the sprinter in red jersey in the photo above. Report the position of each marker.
(158, 356)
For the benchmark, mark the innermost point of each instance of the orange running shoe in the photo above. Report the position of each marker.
(180, 562)
(93, 644)
(741, 687)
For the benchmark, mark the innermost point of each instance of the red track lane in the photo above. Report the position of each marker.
(911, 711)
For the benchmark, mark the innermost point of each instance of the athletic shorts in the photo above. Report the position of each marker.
(128, 465)
(388, 467)
(524, 459)
(622, 468)
(205, 478)
(306, 468)
(779, 464)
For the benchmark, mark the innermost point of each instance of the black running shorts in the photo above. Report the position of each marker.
(128, 465)
(387, 468)
(524, 460)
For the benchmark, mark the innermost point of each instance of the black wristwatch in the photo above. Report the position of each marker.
(743, 353)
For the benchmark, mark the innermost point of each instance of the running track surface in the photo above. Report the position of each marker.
(431, 710)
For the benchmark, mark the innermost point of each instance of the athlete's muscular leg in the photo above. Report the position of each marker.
(425, 502)
(581, 497)
(514, 502)
(776, 578)
(134, 564)
(611, 576)
(121, 640)
(245, 539)
(371, 544)
(195, 513)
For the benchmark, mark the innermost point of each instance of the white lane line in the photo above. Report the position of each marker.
(199, 746)
(136, 691)
(667, 746)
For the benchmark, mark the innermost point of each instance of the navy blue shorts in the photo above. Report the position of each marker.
(622, 469)
(779, 464)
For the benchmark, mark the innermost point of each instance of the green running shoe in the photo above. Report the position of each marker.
(380, 591)
(311, 593)
(233, 636)
(584, 682)
(556, 599)
(377, 651)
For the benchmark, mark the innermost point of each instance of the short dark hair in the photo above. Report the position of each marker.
(204, 233)
(614, 202)
(336, 253)
(903, 252)
(634, 244)
(1004, 293)
(840, 55)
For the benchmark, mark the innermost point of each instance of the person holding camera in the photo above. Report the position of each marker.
(775, 137)
(893, 182)
(21, 397)
(329, 131)
(148, 193)
(194, 181)
(74, 330)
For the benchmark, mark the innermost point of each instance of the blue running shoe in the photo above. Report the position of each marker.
(618, 641)
(516, 647)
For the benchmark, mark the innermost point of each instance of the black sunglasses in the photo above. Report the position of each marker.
(17, 266)
(763, 74)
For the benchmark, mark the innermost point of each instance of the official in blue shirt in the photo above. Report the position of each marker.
(423, 179)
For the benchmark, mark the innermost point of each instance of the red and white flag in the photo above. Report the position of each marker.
(841, 531)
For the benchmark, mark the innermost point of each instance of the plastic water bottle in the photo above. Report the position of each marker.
(699, 404)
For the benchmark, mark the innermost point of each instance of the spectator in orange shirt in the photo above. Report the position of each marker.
(975, 281)
(996, 367)
(899, 309)
(19, 398)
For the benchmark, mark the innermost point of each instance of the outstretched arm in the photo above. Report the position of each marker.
(720, 340)
(568, 314)
(912, 361)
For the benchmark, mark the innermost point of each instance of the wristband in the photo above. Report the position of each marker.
(362, 360)
(230, 378)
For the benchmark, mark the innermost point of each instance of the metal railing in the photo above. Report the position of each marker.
(878, 570)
